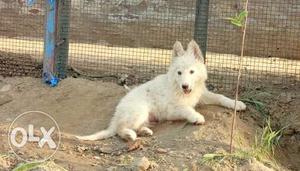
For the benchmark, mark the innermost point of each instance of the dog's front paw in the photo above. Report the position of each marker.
(230, 104)
(197, 119)
(240, 106)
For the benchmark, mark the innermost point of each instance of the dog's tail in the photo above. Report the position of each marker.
(109, 132)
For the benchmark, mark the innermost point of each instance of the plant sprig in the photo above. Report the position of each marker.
(239, 19)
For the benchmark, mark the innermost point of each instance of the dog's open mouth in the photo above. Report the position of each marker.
(187, 91)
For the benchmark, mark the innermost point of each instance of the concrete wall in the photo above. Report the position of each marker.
(273, 30)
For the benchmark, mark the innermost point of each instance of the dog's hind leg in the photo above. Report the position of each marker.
(136, 117)
(145, 131)
(127, 134)
(185, 112)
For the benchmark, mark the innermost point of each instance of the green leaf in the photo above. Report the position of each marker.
(242, 15)
(239, 19)
(236, 23)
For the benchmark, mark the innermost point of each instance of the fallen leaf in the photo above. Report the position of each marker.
(135, 145)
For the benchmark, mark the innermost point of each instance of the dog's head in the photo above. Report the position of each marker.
(187, 68)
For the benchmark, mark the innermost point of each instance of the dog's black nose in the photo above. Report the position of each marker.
(184, 86)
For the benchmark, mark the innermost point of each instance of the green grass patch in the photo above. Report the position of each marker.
(49, 165)
(27, 166)
(262, 150)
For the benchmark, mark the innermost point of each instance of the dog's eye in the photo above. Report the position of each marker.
(179, 72)
(192, 71)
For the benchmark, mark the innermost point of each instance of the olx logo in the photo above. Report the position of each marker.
(27, 136)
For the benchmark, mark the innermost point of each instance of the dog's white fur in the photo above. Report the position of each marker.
(164, 97)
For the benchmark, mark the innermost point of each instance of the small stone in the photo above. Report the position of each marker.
(219, 114)
(5, 88)
(220, 151)
(9, 119)
(141, 164)
(153, 165)
(172, 153)
(161, 151)
(81, 149)
(104, 150)
(97, 157)
(285, 97)
(189, 157)
(62, 147)
(293, 139)
(276, 82)
(112, 168)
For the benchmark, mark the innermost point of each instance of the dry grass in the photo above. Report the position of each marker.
(262, 150)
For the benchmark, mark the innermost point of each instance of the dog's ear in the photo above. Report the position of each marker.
(194, 49)
(177, 49)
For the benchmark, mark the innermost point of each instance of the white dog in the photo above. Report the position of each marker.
(170, 96)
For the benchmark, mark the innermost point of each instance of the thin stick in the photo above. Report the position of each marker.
(238, 80)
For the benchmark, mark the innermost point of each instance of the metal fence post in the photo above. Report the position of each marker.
(201, 24)
(62, 43)
(56, 44)
(49, 75)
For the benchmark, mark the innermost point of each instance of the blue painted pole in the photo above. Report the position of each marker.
(49, 44)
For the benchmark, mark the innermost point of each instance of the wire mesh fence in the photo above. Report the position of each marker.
(127, 37)
(133, 38)
(21, 35)
(272, 45)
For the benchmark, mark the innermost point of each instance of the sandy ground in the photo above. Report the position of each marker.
(81, 107)
(109, 55)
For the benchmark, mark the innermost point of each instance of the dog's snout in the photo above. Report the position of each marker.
(185, 86)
